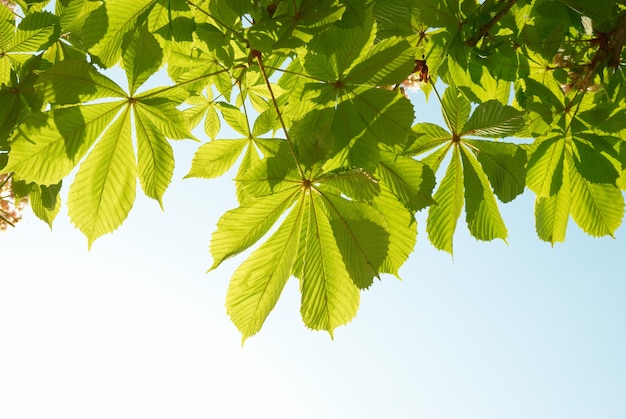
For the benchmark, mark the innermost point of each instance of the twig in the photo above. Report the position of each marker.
(484, 29)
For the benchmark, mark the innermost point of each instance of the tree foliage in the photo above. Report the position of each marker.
(331, 162)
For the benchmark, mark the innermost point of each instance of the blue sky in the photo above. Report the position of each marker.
(135, 328)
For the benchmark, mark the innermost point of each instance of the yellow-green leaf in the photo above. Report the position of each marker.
(103, 191)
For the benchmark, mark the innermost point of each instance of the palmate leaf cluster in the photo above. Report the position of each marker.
(331, 162)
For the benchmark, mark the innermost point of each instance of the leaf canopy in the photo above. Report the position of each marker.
(311, 105)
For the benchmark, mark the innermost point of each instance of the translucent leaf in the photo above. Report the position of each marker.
(313, 138)
(357, 183)
(331, 53)
(122, 17)
(45, 202)
(236, 119)
(355, 144)
(592, 164)
(251, 159)
(7, 28)
(504, 164)
(361, 235)
(428, 137)
(241, 227)
(35, 32)
(402, 230)
(388, 62)
(73, 81)
(456, 109)
(387, 114)
(596, 207)
(482, 215)
(544, 172)
(443, 217)
(215, 158)
(46, 148)
(73, 13)
(164, 115)
(411, 181)
(103, 191)
(270, 175)
(552, 214)
(266, 121)
(258, 282)
(492, 119)
(142, 57)
(212, 124)
(155, 159)
(329, 296)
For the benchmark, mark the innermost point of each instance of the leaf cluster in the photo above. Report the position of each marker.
(331, 162)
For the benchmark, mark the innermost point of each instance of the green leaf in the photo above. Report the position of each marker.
(155, 159)
(442, 218)
(456, 109)
(45, 202)
(142, 57)
(241, 227)
(35, 32)
(215, 158)
(258, 282)
(104, 189)
(596, 207)
(163, 114)
(552, 214)
(122, 17)
(361, 235)
(270, 175)
(492, 119)
(482, 215)
(330, 54)
(73, 13)
(329, 296)
(355, 144)
(7, 28)
(591, 163)
(411, 181)
(236, 119)
(313, 138)
(389, 115)
(356, 184)
(504, 164)
(388, 62)
(73, 81)
(428, 137)
(544, 172)
(402, 230)
(48, 146)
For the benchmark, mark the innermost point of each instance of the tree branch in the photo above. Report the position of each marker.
(484, 29)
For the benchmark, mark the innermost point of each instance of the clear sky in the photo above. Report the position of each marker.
(134, 328)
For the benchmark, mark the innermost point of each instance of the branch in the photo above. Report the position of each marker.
(610, 49)
(257, 55)
(484, 29)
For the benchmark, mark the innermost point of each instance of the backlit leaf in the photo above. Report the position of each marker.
(482, 215)
(46, 148)
(241, 227)
(544, 174)
(492, 119)
(504, 164)
(214, 158)
(329, 296)
(443, 217)
(258, 282)
(597, 208)
(103, 191)
(361, 235)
